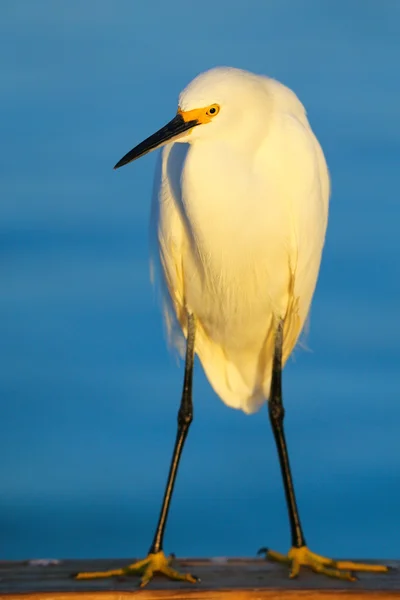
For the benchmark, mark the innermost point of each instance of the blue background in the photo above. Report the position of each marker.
(88, 390)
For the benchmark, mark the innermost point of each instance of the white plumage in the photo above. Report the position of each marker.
(239, 215)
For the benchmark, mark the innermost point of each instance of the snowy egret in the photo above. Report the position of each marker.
(239, 215)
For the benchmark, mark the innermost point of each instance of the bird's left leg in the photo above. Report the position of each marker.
(156, 561)
(299, 555)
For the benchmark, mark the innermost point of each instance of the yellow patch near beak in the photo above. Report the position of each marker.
(197, 114)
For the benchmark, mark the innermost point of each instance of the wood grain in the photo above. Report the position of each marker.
(221, 579)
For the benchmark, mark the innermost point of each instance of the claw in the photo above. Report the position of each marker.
(303, 557)
(147, 568)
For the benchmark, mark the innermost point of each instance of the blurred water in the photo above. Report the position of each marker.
(88, 390)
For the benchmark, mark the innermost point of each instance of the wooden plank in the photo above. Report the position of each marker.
(221, 579)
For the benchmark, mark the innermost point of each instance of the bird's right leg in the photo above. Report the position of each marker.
(156, 561)
(299, 555)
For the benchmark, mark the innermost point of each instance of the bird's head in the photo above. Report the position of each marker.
(222, 103)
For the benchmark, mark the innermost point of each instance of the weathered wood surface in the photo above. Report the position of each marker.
(221, 579)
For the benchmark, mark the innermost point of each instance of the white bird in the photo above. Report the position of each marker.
(239, 215)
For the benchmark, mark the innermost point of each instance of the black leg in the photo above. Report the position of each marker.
(276, 415)
(185, 417)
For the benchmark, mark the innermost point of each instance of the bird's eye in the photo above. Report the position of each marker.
(212, 110)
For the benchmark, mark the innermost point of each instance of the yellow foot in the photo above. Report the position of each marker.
(303, 557)
(147, 568)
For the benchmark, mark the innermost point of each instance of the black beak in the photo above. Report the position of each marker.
(171, 130)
